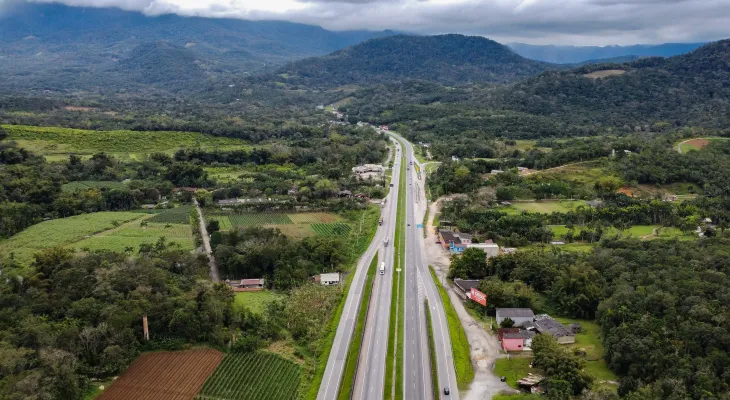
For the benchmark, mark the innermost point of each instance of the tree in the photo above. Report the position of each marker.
(560, 365)
(471, 264)
(213, 225)
(507, 323)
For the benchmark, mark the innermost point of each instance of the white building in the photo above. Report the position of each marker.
(329, 279)
(490, 249)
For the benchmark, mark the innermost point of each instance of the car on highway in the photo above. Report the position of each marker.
(447, 391)
(385, 242)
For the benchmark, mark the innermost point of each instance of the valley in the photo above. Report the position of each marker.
(208, 207)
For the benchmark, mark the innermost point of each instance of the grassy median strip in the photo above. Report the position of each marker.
(459, 343)
(353, 352)
(432, 352)
(394, 357)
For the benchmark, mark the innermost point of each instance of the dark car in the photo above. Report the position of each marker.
(446, 391)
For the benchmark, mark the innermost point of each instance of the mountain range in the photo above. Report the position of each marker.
(582, 54)
(56, 46)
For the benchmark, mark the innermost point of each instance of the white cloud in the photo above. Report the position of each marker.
(583, 22)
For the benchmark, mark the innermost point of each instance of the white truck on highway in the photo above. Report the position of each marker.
(382, 268)
(385, 242)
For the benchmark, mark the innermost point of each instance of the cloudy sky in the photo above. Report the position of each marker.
(580, 22)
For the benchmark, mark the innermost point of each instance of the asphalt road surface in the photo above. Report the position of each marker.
(416, 330)
(371, 370)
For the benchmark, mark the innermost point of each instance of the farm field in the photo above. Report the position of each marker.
(63, 232)
(57, 143)
(255, 301)
(133, 234)
(545, 207)
(177, 215)
(296, 225)
(175, 375)
(85, 185)
(696, 144)
(252, 376)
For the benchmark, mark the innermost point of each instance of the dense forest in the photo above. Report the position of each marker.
(660, 305)
(447, 59)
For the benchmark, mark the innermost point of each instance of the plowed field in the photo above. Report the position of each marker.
(177, 375)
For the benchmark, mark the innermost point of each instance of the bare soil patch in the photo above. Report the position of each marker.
(697, 143)
(605, 73)
(177, 375)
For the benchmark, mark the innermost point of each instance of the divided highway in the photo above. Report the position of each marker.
(371, 371)
(418, 286)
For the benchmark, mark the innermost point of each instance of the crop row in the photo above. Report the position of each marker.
(331, 230)
(259, 219)
(249, 376)
(178, 215)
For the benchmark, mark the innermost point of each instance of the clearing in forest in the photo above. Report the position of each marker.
(176, 375)
(605, 73)
(696, 144)
(252, 376)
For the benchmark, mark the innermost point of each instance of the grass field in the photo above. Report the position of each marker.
(134, 233)
(85, 185)
(582, 172)
(62, 232)
(459, 343)
(296, 225)
(255, 301)
(696, 144)
(545, 207)
(252, 376)
(60, 142)
(636, 231)
(514, 368)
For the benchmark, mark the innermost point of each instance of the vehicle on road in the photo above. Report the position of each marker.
(391, 185)
(380, 222)
(382, 268)
(447, 391)
(385, 242)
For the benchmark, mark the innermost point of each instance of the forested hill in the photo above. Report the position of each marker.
(690, 89)
(161, 62)
(580, 54)
(50, 46)
(447, 59)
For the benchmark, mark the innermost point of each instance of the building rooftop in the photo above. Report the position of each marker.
(466, 284)
(329, 277)
(551, 326)
(515, 312)
(258, 281)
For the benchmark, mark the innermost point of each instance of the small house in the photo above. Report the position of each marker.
(329, 279)
(344, 193)
(496, 171)
(455, 242)
(545, 324)
(247, 285)
(463, 286)
(520, 316)
(513, 342)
